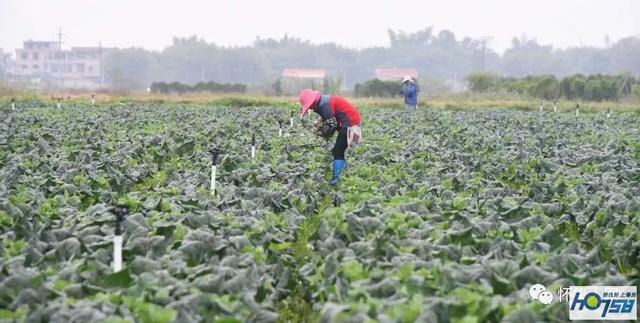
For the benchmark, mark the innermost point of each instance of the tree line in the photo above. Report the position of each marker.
(597, 87)
(211, 87)
(436, 55)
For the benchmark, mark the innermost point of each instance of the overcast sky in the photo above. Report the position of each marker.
(353, 23)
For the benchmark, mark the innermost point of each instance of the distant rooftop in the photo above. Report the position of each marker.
(388, 74)
(304, 73)
(40, 42)
(89, 49)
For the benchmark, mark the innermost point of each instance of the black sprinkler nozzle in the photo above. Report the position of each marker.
(120, 211)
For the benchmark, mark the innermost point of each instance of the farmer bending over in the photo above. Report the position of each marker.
(337, 115)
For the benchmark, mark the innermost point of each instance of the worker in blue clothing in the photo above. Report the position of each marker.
(410, 91)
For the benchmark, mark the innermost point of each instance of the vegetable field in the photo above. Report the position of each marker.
(450, 217)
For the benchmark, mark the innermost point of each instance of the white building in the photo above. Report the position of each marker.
(6, 64)
(47, 62)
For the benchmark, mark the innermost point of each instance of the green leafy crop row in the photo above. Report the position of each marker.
(441, 216)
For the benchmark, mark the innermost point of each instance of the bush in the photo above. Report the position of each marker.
(483, 82)
(636, 91)
(545, 87)
(277, 87)
(377, 88)
(578, 86)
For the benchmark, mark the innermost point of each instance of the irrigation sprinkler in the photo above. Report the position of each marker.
(120, 211)
(541, 104)
(215, 153)
(555, 106)
(93, 99)
(59, 102)
(608, 113)
(577, 110)
(13, 103)
(291, 120)
(279, 128)
(253, 146)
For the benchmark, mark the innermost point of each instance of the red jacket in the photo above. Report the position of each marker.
(336, 106)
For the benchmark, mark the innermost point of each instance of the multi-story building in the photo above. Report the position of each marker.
(47, 62)
(32, 60)
(6, 65)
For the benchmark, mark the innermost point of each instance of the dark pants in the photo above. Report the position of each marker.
(341, 144)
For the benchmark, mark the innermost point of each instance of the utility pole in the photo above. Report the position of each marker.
(60, 79)
(344, 81)
(484, 41)
(484, 54)
(60, 37)
(621, 88)
(101, 69)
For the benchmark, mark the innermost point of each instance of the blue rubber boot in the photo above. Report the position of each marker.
(338, 166)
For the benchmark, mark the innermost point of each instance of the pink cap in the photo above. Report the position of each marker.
(307, 98)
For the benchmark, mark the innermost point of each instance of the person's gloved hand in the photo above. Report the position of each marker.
(329, 127)
(317, 127)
